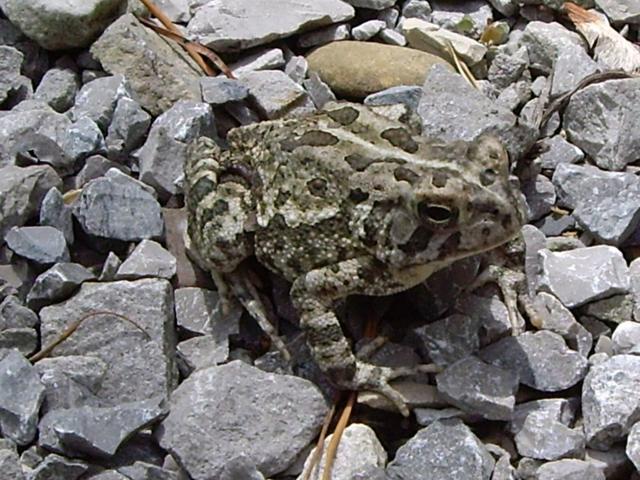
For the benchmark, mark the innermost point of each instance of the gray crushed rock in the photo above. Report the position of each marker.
(95, 431)
(448, 97)
(272, 416)
(60, 24)
(614, 309)
(367, 30)
(13, 314)
(54, 213)
(542, 360)
(633, 445)
(82, 139)
(474, 14)
(606, 204)
(10, 468)
(322, 36)
(610, 404)
(443, 447)
(148, 259)
(269, 59)
(407, 94)
(33, 134)
(164, 152)
(626, 338)
(158, 73)
(56, 466)
(582, 275)
(225, 26)
(569, 469)
(359, 451)
(273, 92)
(600, 120)
(141, 363)
(127, 129)
(544, 438)
(58, 88)
(545, 42)
(57, 283)
(118, 207)
(555, 317)
(479, 388)
(97, 99)
(620, 11)
(448, 340)
(21, 396)
(559, 410)
(220, 90)
(70, 381)
(572, 65)
(42, 245)
(559, 150)
(319, 92)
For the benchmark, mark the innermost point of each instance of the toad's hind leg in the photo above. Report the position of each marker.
(313, 295)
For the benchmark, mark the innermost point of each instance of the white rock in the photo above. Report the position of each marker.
(433, 39)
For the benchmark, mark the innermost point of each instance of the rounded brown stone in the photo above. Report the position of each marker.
(357, 69)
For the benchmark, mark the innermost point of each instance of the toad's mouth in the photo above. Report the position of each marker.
(426, 246)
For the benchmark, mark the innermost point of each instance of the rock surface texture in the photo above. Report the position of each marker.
(121, 358)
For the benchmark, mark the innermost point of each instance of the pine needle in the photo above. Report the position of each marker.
(332, 449)
(610, 49)
(73, 327)
(317, 454)
(462, 67)
(162, 17)
(197, 47)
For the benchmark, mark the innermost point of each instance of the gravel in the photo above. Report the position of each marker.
(161, 376)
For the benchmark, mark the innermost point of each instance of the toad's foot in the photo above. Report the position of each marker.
(511, 284)
(376, 379)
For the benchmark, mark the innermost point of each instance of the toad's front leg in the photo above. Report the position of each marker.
(313, 295)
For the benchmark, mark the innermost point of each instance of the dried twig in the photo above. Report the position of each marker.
(332, 449)
(199, 48)
(561, 101)
(462, 67)
(317, 454)
(160, 15)
(72, 328)
(609, 47)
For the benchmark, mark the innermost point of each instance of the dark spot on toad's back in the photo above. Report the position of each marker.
(344, 116)
(358, 162)
(401, 138)
(318, 138)
(406, 174)
(312, 138)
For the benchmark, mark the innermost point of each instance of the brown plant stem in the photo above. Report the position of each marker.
(332, 449)
(72, 328)
(160, 15)
(201, 49)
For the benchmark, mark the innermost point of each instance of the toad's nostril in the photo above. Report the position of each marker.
(488, 177)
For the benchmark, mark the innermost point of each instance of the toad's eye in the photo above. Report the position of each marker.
(436, 214)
